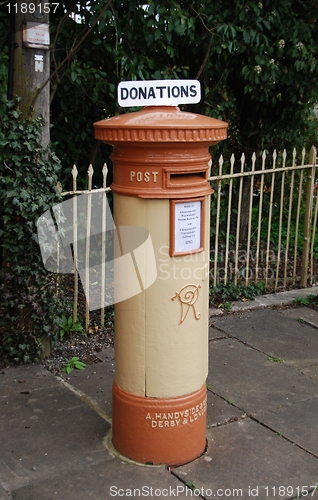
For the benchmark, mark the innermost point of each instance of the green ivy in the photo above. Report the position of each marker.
(229, 291)
(29, 309)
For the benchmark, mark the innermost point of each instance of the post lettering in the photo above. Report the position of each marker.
(143, 176)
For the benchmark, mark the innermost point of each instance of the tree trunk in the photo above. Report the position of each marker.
(32, 61)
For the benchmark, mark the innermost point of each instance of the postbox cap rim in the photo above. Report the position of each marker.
(160, 124)
(154, 117)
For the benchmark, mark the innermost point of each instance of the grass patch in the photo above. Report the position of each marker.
(275, 359)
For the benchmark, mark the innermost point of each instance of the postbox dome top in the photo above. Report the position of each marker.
(160, 124)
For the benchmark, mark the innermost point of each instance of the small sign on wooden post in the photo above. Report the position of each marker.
(36, 35)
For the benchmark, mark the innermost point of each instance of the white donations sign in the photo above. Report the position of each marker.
(158, 92)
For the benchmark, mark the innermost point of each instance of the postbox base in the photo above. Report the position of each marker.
(170, 431)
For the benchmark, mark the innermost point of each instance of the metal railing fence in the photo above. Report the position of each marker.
(74, 192)
(263, 221)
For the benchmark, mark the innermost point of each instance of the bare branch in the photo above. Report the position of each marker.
(205, 60)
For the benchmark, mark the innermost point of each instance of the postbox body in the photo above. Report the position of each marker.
(161, 165)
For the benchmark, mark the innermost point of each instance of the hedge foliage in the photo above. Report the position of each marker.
(29, 309)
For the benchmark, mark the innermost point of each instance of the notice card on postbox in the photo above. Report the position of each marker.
(158, 93)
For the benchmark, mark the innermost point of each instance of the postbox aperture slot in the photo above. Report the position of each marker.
(180, 179)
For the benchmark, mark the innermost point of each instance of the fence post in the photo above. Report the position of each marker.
(308, 214)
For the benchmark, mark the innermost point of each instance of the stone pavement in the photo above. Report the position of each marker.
(262, 420)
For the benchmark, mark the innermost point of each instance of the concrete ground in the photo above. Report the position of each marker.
(262, 419)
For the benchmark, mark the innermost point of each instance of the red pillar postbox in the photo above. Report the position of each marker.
(161, 183)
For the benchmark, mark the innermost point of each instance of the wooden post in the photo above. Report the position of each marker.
(32, 60)
(308, 213)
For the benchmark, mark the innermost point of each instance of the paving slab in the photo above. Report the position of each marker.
(107, 354)
(275, 334)
(46, 431)
(103, 481)
(306, 314)
(311, 372)
(215, 334)
(252, 382)
(26, 378)
(246, 460)
(298, 423)
(95, 382)
(3, 494)
(219, 411)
